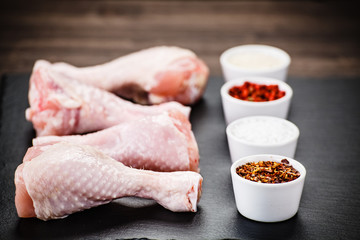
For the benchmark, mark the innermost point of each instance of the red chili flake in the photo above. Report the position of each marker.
(256, 92)
(268, 172)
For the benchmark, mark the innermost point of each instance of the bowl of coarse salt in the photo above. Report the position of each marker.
(251, 96)
(262, 135)
(255, 60)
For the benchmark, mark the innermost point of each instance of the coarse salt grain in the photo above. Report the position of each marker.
(264, 130)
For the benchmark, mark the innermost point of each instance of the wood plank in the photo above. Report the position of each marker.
(321, 37)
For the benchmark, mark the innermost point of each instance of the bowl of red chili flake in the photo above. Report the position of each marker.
(251, 96)
(254, 92)
(267, 188)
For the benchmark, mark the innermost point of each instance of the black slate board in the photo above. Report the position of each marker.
(327, 113)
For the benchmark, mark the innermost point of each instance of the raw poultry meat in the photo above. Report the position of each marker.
(150, 76)
(56, 180)
(63, 106)
(160, 143)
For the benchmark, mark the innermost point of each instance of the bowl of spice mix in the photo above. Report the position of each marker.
(251, 96)
(267, 187)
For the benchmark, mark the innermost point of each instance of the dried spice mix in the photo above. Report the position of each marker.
(256, 92)
(268, 171)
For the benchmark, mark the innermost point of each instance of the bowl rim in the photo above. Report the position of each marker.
(300, 167)
(287, 122)
(258, 80)
(259, 47)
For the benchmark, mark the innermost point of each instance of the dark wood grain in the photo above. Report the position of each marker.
(322, 37)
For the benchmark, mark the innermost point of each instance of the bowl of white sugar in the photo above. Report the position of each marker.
(262, 135)
(255, 60)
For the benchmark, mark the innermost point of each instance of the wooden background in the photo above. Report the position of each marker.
(322, 37)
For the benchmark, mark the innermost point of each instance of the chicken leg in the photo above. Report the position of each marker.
(160, 143)
(62, 106)
(150, 76)
(57, 180)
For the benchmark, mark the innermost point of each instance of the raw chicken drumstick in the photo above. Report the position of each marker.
(160, 143)
(150, 76)
(62, 106)
(57, 180)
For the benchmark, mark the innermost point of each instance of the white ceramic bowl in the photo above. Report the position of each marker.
(255, 60)
(266, 202)
(262, 134)
(236, 108)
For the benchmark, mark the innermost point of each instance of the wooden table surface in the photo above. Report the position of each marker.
(322, 37)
